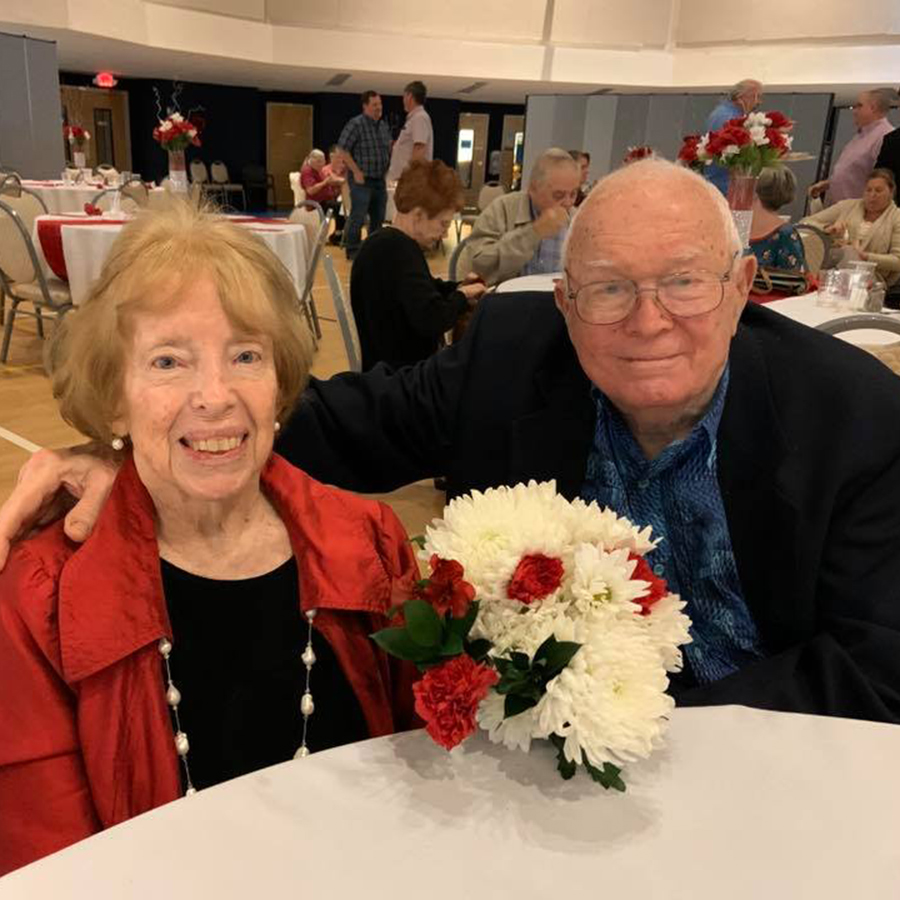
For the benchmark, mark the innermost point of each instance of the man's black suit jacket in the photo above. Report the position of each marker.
(808, 465)
(889, 155)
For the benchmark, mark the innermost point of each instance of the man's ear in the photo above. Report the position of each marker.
(744, 272)
(559, 296)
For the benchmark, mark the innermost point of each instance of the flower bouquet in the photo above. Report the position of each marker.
(175, 132)
(77, 137)
(747, 144)
(542, 621)
(635, 154)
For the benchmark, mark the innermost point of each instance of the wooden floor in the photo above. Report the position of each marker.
(29, 418)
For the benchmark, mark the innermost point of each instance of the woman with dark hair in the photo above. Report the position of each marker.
(401, 310)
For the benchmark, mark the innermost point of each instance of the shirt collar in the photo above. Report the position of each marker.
(706, 429)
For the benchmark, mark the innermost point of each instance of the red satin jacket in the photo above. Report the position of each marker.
(85, 734)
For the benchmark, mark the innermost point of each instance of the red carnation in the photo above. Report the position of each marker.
(777, 140)
(688, 152)
(447, 698)
(446, 589)
(658, 587)
(535, 577)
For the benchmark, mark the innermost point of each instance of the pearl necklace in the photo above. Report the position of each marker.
(173, 698)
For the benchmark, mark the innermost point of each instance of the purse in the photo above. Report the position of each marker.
(789, 282)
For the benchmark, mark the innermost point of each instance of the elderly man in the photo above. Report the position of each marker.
(853, 167)
(523, 233)
(743, 98)
(765, 454)
(365, 145)
(416, 140)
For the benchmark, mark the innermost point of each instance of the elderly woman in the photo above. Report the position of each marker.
(869, 227)
(774, 242)
(322, 184)
(401, 309)
(221, 589)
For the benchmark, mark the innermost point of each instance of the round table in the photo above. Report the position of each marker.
(740, 803)
(806, 309)
(83, 243)
(60, 197)
(529, 283)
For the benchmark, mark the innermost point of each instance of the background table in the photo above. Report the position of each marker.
(86, 242)
(60, 197)
(741, 803)
(529, 283)
(805, 309)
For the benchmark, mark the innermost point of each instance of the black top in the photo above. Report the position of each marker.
(808, 463)
(401, 310)
(235, 658)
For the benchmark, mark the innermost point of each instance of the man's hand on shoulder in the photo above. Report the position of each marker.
(45, 488)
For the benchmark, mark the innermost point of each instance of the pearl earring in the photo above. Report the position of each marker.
(118, 443)
(277, 426)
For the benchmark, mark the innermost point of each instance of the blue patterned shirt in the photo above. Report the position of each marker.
(547, 258)
(369, 143)
(678, 494)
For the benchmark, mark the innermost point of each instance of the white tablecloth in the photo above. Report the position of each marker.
(86, 248)
(741, 804)
(806, 310)
(528, 283)
(59, 197)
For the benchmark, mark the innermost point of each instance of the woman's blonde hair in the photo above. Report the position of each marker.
(152, 260)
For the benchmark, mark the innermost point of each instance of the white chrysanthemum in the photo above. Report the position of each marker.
(730, 150)
(177, 117)
(515, 733)
(610, 701)
(669, 628)
(602, 582)
(589, 524)
(490, 532)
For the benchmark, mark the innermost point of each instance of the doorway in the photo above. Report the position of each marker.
(511, 151)
(289, 138)
(471, 154)
(104, 113)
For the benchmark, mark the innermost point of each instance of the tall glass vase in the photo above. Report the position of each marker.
(178, 171)
(741, 191)
(78, 159)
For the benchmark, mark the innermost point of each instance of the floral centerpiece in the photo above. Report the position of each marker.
(745, 146)
(175, 133)
(541, 620)
(637, 153)
(77, 137)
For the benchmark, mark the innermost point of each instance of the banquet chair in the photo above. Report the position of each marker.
(889, 354)
(296, 188)
(307, 301)
(486, 196)
(454, 259)
(108, 173)
(345, 318)
(129, 201)
(219, 174)
(22, 279)
(256, 177)
(310, 215)
(816, 247)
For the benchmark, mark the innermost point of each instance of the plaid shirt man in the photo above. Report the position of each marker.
(369, 143)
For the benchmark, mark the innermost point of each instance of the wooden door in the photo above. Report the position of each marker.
(471, 154)
(104, 113)
(289, 130)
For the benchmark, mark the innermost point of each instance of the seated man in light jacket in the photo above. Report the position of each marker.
(522, 233)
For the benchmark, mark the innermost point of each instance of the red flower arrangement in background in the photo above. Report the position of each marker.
(76, 135)
(636, 153)
(175, 132)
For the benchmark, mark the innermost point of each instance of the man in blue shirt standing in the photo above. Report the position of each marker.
(365, 145)
(743, 98)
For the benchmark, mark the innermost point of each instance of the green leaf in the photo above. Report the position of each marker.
(418, 540)
(608, 776)
(478, 649)
(423, 583)
(520, 660)
(464, 625)
(515, 704)
(559, 655)
(452, 646)
(423, 623)
(397, 642)
(566, 769)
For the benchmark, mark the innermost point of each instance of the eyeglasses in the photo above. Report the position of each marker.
(683, 295)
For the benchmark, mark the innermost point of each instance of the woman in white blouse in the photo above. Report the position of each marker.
(870, 225)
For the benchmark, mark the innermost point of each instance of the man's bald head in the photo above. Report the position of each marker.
(648, 185)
